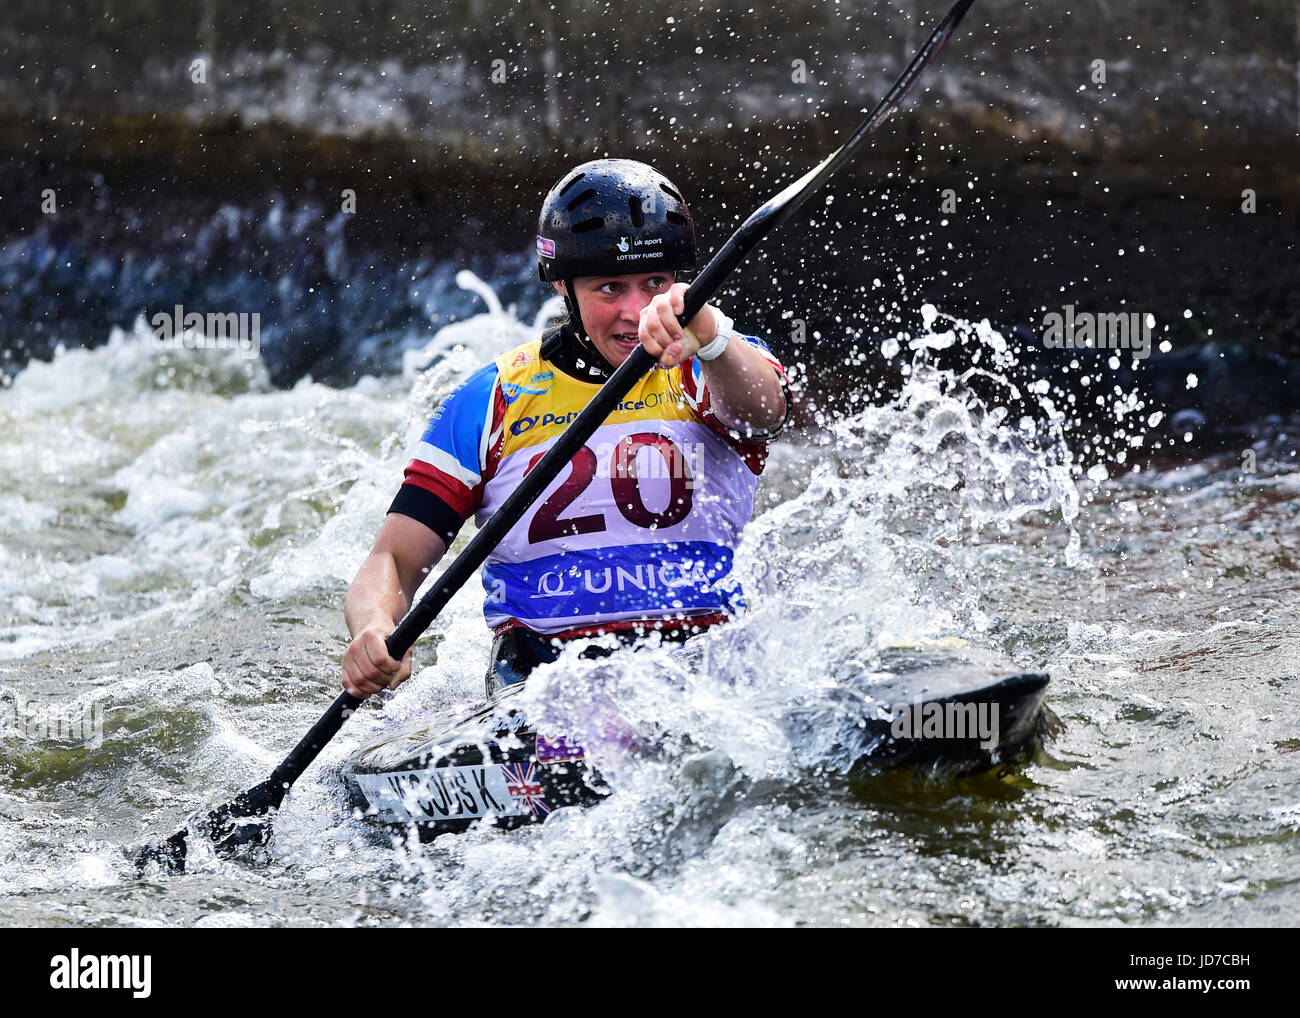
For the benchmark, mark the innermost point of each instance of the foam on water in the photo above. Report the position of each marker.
(176, 537)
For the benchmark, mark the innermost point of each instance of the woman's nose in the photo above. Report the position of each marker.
(631, 308)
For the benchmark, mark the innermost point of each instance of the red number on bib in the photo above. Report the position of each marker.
(547, 525)
(627, 485)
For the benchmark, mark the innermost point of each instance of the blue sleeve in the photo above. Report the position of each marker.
(448, 464)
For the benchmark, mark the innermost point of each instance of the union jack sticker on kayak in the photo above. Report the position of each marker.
(522, 786)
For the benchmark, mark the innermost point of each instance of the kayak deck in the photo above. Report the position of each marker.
(948, 708)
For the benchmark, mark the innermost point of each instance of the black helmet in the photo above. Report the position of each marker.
(613, 217)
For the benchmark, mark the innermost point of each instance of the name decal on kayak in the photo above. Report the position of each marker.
(457, 793)
(440, 793)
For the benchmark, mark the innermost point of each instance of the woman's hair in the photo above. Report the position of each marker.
(559, 318)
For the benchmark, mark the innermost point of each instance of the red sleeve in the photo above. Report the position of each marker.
(459, 450)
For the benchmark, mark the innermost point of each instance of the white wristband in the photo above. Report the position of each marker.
(719, 345)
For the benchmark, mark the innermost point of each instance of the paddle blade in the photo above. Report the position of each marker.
(230, 827)
(168, 856)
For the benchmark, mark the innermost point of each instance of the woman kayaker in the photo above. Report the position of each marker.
(638, 533)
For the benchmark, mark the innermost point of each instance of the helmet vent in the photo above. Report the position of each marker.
(675, 217)
(586, 195)
(668, 190)
(571, 182)
(589, 224)
(634, 209)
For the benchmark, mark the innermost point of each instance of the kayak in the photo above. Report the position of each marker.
(943, 708)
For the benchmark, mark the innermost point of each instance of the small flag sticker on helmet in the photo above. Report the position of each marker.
(545, 248)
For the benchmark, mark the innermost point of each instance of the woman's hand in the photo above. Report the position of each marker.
(664, 338)
(367, 666)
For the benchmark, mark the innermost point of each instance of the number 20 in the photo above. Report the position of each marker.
(547, 524)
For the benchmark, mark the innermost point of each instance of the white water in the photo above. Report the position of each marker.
(176, 538)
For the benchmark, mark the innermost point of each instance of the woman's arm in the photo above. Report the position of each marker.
(744, 386)
(385, 585)
(746, 389)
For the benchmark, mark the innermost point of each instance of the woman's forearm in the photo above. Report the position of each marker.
(376, 597)
(745, 388)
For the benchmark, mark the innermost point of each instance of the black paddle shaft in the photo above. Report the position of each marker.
(771, 215)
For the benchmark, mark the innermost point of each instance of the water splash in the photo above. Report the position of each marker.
(175, 540)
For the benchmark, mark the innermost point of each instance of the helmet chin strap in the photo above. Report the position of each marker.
(575, 316)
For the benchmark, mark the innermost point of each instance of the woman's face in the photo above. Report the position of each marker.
(611, 309)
